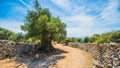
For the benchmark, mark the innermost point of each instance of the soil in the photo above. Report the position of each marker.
(75, 58)
(64, 57)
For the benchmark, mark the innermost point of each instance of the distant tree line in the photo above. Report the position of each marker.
(6, 34)
(73, 39)
(113, 36)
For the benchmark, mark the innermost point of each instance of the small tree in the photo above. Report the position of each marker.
(94, 38)
(86, 40)
(40, 24)
(5, 33)
(79, 40)
(115, 37)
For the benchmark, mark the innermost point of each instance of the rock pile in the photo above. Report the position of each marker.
(106, 55)
(19, 49)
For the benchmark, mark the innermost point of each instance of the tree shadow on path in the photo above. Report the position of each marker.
(45, 60)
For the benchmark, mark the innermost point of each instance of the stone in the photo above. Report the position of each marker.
(37, 56)
(105, 54)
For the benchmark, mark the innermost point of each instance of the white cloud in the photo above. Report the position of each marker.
(88, 25)
(78, 10)
(84, 25)
(78, 17)
(82, 19)
(110, 14)
(65, 4)
(11, 25)
(26, 4)
(56, 12)
(88, 31)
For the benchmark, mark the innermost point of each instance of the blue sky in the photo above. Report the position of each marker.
(83, 17)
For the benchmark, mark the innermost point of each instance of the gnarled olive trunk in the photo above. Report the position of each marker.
(46, 44)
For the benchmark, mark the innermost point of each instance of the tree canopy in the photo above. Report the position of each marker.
(40, 24)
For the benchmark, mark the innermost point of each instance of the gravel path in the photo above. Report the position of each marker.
(75, 58)
(64, 57)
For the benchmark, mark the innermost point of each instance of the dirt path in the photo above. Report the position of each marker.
(73, 58)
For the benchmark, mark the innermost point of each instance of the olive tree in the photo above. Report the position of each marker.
(39, 23)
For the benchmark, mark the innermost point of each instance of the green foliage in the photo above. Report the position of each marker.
(108, 37)
(100, 40)
(73, 39)
(36, 40)
(115, 37)
(86, 40)
(39, 24)
(94, 38)
(16, 37)
(5, 34)
(79, 40)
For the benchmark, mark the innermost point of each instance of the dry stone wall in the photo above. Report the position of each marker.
(106, 55)
(20, 49)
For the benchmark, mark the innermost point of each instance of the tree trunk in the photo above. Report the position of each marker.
(46, 42)
(46, 45)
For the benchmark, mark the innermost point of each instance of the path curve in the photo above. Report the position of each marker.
(75, 58)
